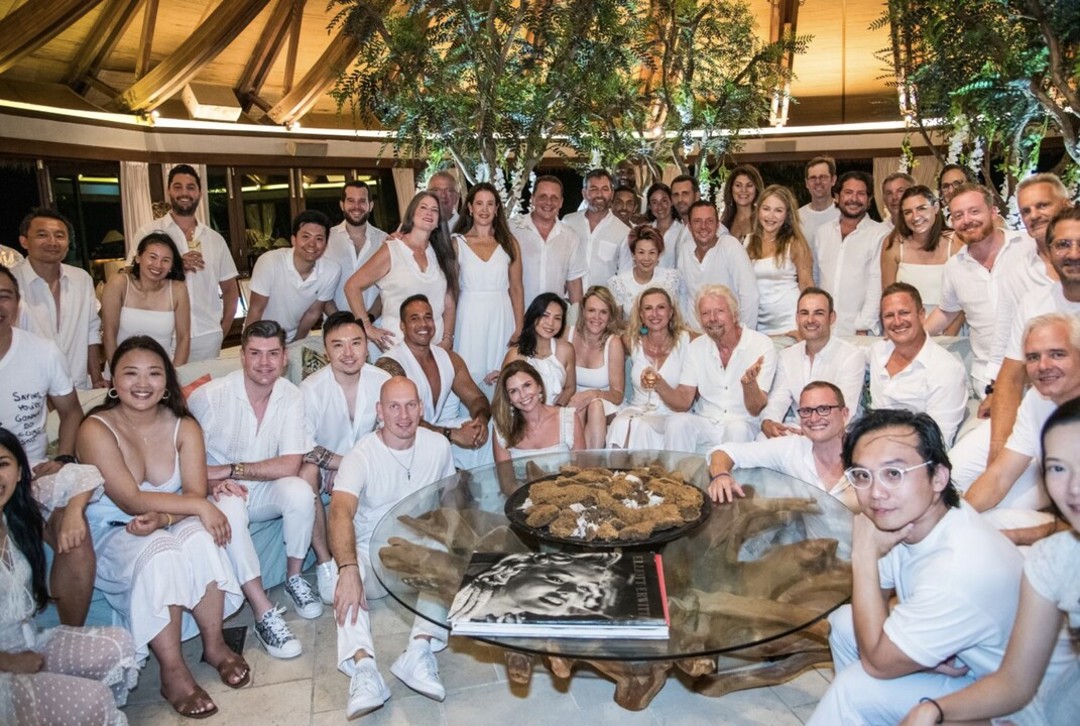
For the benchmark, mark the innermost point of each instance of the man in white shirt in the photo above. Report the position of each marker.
(58, 300)
(956, 579)
(909, 370)
(716, 258)
(295, 286)
(252, 421)
(444, 385)
(444, 185)
(379, 472)
(209, 269)
(34, 378)
(892, 189)
(727, 370)
(602, 234)
(817, 357)
(353, 242)
(552, 255)
(339, 408)
(822, 209)
(847, 257)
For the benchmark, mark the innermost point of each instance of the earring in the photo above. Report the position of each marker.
(644, 330)
(111, 393)
(165, 396)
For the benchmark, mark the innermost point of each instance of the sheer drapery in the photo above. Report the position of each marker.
(135, 201)
(405, 186)
(925, 172)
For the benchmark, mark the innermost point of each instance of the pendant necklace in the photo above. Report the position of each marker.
(412, 458)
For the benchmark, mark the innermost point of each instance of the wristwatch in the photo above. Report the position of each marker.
(446, 432)
(237, 471)
(64, 459)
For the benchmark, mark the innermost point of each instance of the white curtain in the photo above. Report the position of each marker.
(135, 201)
(925, 172)
(405, 186)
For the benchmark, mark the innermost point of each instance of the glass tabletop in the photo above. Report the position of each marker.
(757, 570)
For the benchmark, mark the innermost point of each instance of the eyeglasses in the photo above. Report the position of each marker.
(1064, 245)
(822, 410)
(891, 477)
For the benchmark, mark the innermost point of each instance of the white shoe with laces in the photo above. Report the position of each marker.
(418, 670)
(326, 574)
(307, 604)
(367, 690)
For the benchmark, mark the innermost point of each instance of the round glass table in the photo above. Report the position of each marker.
(755, 580)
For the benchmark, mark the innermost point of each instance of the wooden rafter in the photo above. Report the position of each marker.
(100, 41)
(302, 98)
(265, 53)
(36, 23)
(210, 38)
(294, 44)
(146, 39)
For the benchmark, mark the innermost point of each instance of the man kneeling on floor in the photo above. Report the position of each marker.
(373, 477)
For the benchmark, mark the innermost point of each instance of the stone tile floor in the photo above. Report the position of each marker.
(310, 690)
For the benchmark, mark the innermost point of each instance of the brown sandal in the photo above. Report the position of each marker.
(230, 668)
(188, 705)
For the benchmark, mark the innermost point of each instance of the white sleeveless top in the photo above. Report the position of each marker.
(404, 280)
(778, 293)
(158, 324)
(926, 278)
(552, 373)
(565, 443)
(593, 378)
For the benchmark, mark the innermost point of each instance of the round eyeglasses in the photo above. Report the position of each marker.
(890, 477)
(822, 410)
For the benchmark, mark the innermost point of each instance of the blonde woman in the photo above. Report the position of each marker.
(600, 363)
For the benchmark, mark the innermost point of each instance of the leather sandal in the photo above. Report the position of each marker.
(188, 706)
(231, 667)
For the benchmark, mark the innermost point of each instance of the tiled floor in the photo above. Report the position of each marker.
(310, 690)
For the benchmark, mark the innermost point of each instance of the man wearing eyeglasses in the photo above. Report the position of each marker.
(822, 209)
(813, 457)
(956, 579)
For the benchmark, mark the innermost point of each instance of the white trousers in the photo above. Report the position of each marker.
(856, 698)
(696, 434)
(206, 346)
(353, 637)
(289, 498)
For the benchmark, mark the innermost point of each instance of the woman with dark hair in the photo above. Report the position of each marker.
(1038, 681)
(491, 288)
(662, 215)
(62, 676)
(524, 424)
(741, 193)
(159, 540)
(541, 345)
(149, 299)
(420, 259)
(647, 247)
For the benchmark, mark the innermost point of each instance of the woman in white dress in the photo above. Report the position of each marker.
(661, 213)
(150, 299)
(647, 247)
(419, 260)
(600, 364)
(925, 245)
(657, 340)
(159, 540)
(541, 345)
(782, 260)
(524, 424)
(490, 305)
(66, 676)
(741, 194)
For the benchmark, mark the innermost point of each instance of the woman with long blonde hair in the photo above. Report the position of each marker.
(600, 363)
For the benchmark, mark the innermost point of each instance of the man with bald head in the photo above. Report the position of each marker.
(383, 468)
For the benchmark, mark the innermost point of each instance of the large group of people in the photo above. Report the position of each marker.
(466, 338)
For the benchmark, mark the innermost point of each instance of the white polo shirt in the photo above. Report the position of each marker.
(232, 432)
(810, 219)
(32, 370)
(720, 394)
(78, 326)
(969, 287)
(606, 251)
(1026, 440)
(1042, 300)
(1026, 276)
(547, 265)
(849, 268)
(839, 363)
(290, 295)
(934, 383)
(340, 249)
(329, 422)
(725, 263)
(204, 286)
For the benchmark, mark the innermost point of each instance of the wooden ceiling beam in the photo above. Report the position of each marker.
(100, 41)
(146, 38)
(302, 98)
(265, 53)
(35, 23)
(294, 44)
(208, 40)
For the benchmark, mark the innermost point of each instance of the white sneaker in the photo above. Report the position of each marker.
(367, 690)
(304, 599)
(326, 574)
(417, 669)
(275, 635)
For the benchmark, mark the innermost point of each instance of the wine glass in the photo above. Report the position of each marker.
(649, 378)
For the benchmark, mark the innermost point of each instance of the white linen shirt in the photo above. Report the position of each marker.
(78, 326)
(934, 383)
(720, 394)
(839, 363)
(340, 249)
(1050, 299)
(810, 219)
(326, 412)
(1026, 440)
(725, 263)
(232, 432)
(606, 251)
(548, 264)
(790, 455)
(204, 286)
(849, 268)
(32, 370)
(290, 296)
